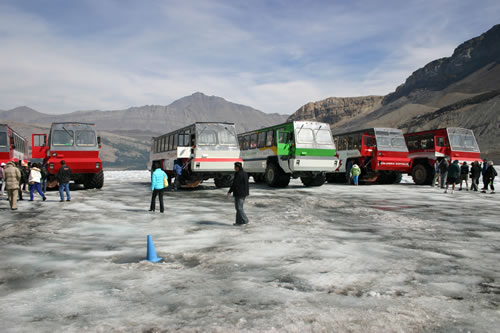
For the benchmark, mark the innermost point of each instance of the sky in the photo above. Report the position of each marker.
(59, 56)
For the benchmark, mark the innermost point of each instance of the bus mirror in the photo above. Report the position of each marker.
(99, 140)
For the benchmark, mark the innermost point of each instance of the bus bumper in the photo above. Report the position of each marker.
(322, 164)
(214, 164)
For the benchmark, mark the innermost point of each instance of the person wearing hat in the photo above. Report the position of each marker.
(355, 172)
(12, 177)
(2, 188)
(240, 191)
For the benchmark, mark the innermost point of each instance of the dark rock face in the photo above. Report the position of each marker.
(467, 58)
(334, 110)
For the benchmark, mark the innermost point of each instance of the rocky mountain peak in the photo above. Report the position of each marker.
(467, 58)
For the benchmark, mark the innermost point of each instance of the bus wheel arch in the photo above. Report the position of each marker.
(421, 173)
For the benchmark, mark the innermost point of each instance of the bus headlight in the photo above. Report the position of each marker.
(51, 165)
(54, 154)
(97, 165)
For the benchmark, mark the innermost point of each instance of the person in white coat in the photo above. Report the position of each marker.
(34, 180)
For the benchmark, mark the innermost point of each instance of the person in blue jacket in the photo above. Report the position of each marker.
(178, 174)
(158, 179)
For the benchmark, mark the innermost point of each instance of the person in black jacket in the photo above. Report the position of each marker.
(464, 175)
(475, 173)
(63, 177)
(240, 192)
(490, 175)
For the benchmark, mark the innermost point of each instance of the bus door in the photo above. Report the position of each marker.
(283, 142)
(440, 144)
(39, 145)
(369, 145)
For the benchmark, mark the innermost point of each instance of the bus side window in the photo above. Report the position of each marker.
(175, 141)
(440, 141)
(246, 141)
(261, 142)
(269, 138)
(253, 141)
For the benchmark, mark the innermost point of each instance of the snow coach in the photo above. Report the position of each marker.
(12, 145)
(78, 145)
(204, 149)
(427, 146)
(295, 149)
(381, 154)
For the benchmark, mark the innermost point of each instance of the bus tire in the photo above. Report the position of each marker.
(275, 176)
(223, 181)
(95, 180)
(421, 174)
(316, 180)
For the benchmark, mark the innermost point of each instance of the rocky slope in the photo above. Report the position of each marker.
(458, 91)
(338, 110)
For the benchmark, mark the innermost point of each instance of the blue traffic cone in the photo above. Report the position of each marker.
(151, 251)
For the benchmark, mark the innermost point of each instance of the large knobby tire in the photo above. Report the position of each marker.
(316, 180)
(224, 181)
(95, 180)
(421, 175)
(275, 176)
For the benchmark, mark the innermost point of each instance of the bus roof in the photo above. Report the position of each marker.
(368, 129)
(283, 124)
(73, 123)
(194, 124)
(438, 129)
(6, 125)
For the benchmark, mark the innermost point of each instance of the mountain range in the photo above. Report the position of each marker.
(127, 133)
(462, 90)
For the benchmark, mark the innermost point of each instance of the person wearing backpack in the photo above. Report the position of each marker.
(159, 181)
(490, 175)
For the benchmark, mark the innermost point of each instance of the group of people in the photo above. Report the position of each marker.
(446, 174)
(239, 188)
(18, 176)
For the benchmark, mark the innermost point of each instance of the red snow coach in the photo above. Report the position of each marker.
(427, 146)
(78, 145)
(12, 145)
(381, 154)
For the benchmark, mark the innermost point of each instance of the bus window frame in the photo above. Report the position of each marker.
(261, 139)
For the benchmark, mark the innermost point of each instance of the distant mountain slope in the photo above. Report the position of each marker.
(161, 119)
(127, 133)
(458, 91)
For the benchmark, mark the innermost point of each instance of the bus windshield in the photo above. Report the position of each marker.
(62, 138)
(390, 140)
(85, 138)
(216, 134)
(324, 137)
(462, 139)
(3, 139)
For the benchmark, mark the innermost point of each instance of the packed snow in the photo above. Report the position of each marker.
(336, 258)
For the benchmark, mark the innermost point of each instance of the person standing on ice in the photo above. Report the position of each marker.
(240, 191)
(475, 173)
(483, 172)
(355, 172)
(490, 175)
(158, 181)
(34, 180)
(464, 175)
(64, 177)
(436, 180)
(453, 174)
(2, 188)
(443, 171)
(12, 177)
(178, 174)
